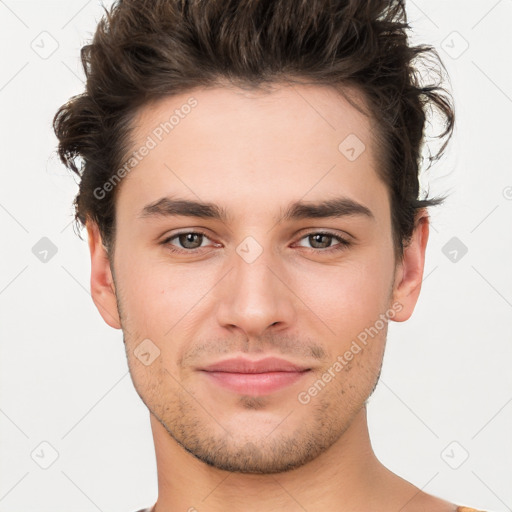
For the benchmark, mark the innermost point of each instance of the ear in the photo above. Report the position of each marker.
(102, 284)
(409, 271)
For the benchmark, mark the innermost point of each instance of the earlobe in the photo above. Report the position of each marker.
(409, 274)
(102, 284)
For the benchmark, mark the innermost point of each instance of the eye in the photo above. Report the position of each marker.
(321, 241)
(189, 241)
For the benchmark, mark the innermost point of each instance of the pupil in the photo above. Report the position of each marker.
(317, 239)
(189, 238)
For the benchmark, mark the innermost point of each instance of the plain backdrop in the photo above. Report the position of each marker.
(74, 434)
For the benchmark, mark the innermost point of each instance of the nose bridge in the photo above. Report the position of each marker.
(254, 298)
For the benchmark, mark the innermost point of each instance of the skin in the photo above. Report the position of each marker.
(253, 154)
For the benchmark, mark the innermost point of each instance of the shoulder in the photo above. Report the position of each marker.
(459, 509)
(423, 502)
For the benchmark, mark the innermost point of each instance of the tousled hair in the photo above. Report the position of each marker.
(146, 50)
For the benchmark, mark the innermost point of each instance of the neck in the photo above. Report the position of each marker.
(347, 476)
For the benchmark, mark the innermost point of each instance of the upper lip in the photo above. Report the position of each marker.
(242, 365)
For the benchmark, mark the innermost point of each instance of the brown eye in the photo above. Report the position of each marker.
(190, 240)
(322, 242)
(186, 242)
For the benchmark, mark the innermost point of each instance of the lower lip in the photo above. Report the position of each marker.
(255, 384)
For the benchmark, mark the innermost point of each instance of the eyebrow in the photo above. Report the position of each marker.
(337, 207)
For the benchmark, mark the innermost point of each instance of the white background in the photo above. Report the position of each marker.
(446, 387)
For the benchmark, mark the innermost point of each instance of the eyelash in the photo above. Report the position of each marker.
(342, 245)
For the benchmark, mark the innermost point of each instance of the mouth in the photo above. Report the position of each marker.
(256, 378)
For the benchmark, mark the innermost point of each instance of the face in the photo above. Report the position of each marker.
(250, 230)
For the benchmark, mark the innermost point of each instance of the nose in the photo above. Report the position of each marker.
(254, 297)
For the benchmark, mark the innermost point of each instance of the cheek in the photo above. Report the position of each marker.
(146, 284)
(165, 304)
(349, 297)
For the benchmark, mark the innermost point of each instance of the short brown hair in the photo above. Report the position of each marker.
(145, 50)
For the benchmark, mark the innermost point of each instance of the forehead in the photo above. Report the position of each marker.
(307, 112)
(243, 147)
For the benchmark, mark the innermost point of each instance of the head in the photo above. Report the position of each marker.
(297, 130)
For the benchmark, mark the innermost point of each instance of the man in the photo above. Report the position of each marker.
(250, 191)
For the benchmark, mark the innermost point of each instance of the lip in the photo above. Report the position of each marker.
(243, 365)
(262, 377)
